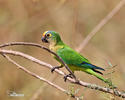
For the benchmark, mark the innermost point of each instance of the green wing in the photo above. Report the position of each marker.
(72, 57)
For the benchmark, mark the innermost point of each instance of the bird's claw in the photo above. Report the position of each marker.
(66, 76)
(53, 69)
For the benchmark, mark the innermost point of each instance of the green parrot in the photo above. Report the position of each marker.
(74, 60)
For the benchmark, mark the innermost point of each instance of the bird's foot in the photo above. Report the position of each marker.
(66, 76)
(53, 69)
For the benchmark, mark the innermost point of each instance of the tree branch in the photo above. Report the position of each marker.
(85, 84)
(40, 78)
(40, 46)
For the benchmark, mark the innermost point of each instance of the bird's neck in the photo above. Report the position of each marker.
(54, 46)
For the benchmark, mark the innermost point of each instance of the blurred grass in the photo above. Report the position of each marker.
(25, 20)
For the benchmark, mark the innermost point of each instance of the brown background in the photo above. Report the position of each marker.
(26, 20)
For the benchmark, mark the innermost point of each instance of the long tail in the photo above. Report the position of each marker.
(97, 71)
(90, 71)
(91, 66)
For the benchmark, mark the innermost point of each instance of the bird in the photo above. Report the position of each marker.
(74, 60)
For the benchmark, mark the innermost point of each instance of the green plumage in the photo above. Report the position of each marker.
(74, 60)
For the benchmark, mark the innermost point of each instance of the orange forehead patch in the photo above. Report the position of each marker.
(45, 33)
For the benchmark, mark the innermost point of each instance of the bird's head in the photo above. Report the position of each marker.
(50, 37)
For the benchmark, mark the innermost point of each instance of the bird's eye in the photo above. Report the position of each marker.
(48, 35)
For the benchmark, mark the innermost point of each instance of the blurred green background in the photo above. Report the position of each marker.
(26, 20)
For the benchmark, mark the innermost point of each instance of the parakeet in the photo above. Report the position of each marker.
(74, 60)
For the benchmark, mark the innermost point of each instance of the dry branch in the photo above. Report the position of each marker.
(38, 77)
(85, 84)
(40, 46)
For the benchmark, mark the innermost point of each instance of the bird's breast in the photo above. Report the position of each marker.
(55, 48)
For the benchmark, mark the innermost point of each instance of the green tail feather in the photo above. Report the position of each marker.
(103, 79)
(100, 77)
(109, 82)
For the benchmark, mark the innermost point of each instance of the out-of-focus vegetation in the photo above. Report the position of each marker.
(25, 20)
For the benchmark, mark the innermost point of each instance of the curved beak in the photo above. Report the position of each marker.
(44, 39)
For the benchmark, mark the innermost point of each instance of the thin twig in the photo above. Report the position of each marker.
(40, 46)
(38, 77)
(88, 85)
(39, 91)
(100, 25)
